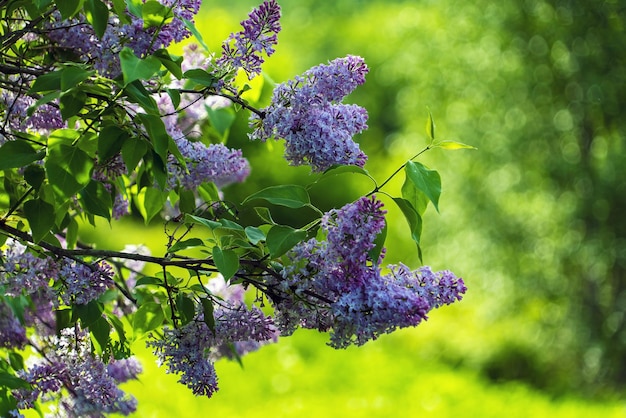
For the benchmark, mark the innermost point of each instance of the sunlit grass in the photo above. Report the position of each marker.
(301, 377)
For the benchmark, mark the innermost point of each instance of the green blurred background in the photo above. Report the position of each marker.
(532, 220)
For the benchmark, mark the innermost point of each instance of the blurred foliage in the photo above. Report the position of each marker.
(532, 220)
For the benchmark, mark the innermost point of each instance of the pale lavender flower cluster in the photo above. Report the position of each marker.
(77, 35)
(335, 285)
(213, 163)
(123, 370)
(307, 114)
(244, 49)
(190, 351)
(14, 111)
(90, 388)
(23, 273)
(84, 283)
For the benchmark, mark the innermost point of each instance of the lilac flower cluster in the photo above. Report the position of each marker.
(334, 284)
(306, 113)
(77, 35)
(84, 283)
(190, 351)
(14, 113)
(79, 380)
(243, 49)
(28, 275)
(213, 163)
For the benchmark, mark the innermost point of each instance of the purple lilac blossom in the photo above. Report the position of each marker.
(24, 273)
(213, 163)
(44, 119)
(124, 370)
(77, 35)
(91, 389)
(334, 285)
(191, 350)
(243, 49)
(306, 112)
(84, 283)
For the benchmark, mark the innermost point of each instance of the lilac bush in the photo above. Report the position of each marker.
(99, 121)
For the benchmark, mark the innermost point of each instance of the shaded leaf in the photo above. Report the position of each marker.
(226, 261)
(41, 217)
(289, 195)
(135, 68)
(18, 153)
(281, 238)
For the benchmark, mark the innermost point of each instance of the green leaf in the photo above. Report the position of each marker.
(172, 63)
(426, 180)
(18, 153)
(265, 214)
(69, 8)
(230, 225)
(119, 7)
(9, 381)
(96, 200)
(207, 311)
(97, 14)
(133, 150)
(187, 202)
(189, 243)
(110, 141)
(135, 68)
(88, 313)
(149, 280)
(340, 169)
(289, 195)
(47, 82)
(156, 132)
(221, 119)
(71, 236)
(134, 7)
(254, 234)
(413, 218)
(379, 243)
(100, 331)
(430, 127)
(40, 217)
(34, 175)
(137, 93)
(71, 103)
(281, 238)
(186, 308)
(174, 97)
(68, 169)
(150, 202)
(63, 319)
(226, 262)
(155, 14)
(202, 221)
(200, 76)
(71, 76)
(148, 317)
(416, 197)
(16, 360)
(118, 325)
(452, 145)
(192, 28)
